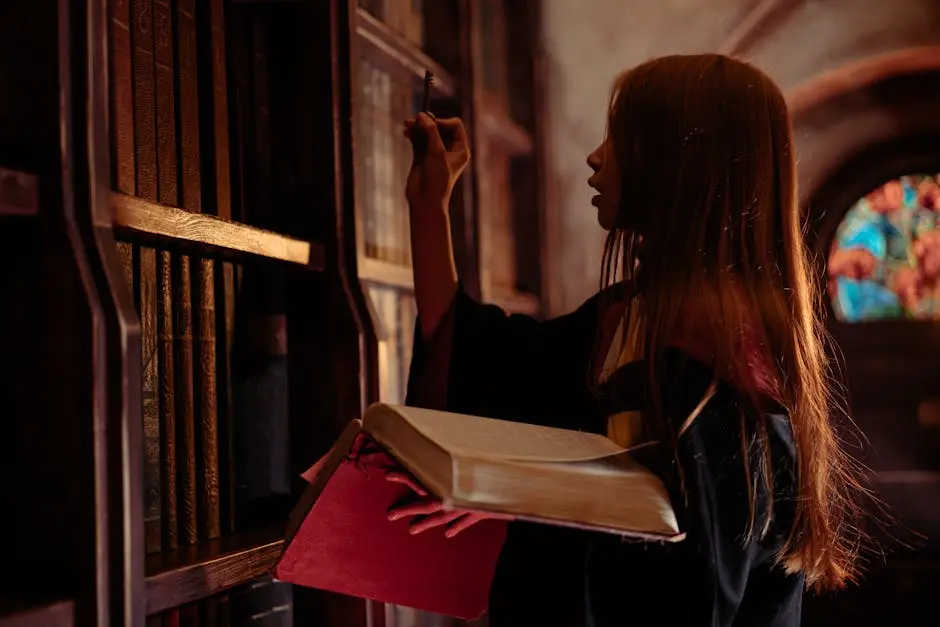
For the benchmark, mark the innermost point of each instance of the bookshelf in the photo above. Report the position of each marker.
(203, 220)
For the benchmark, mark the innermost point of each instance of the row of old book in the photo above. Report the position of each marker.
(214, 376)
(215, 411)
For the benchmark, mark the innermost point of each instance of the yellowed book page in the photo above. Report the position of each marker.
(576, 493)
(485, 438)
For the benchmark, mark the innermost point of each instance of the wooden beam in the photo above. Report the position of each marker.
(135, 218)
(760, 21)
(859, 75)
(196, 572)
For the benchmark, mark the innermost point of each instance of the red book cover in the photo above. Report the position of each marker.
(340, 540)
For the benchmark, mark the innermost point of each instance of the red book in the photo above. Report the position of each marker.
(340, 539)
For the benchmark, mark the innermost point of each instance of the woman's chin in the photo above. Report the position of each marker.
(606, 222)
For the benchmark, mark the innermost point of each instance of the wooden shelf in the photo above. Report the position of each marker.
(192, 573)
(137, 219)
(385, 272)
(403, 52)
(515, 302)
(19, 613)
(494, 120)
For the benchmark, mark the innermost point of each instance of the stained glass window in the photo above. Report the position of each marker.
(885, 258)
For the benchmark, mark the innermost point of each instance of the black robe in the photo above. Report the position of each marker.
(483, 362)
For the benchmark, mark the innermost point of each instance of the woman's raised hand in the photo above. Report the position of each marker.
(441, 153)
(428, 512)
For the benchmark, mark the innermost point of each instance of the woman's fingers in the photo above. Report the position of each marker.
(430, 129)
(436, 519)
(420, 508)
(455, 131)
(462, 523)
(455, 522)
(406, 480)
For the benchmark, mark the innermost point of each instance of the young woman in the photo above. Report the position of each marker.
(705, 339)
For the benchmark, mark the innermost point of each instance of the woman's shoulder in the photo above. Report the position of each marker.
(737, 447)
(721, 411)
(711, 418)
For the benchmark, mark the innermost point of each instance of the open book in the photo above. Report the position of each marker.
(339, 538)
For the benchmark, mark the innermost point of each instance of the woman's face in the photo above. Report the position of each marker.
(606, 181)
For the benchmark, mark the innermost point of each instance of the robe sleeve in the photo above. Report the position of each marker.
(484, 362)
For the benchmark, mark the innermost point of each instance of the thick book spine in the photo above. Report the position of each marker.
(153, 486)
(207, 406)
(185, 410)
(167, 398)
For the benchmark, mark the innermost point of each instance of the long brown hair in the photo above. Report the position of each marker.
(709, 222)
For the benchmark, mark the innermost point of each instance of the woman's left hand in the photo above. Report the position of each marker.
(428, 511)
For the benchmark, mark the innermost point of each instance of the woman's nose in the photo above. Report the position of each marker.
(594, 160)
